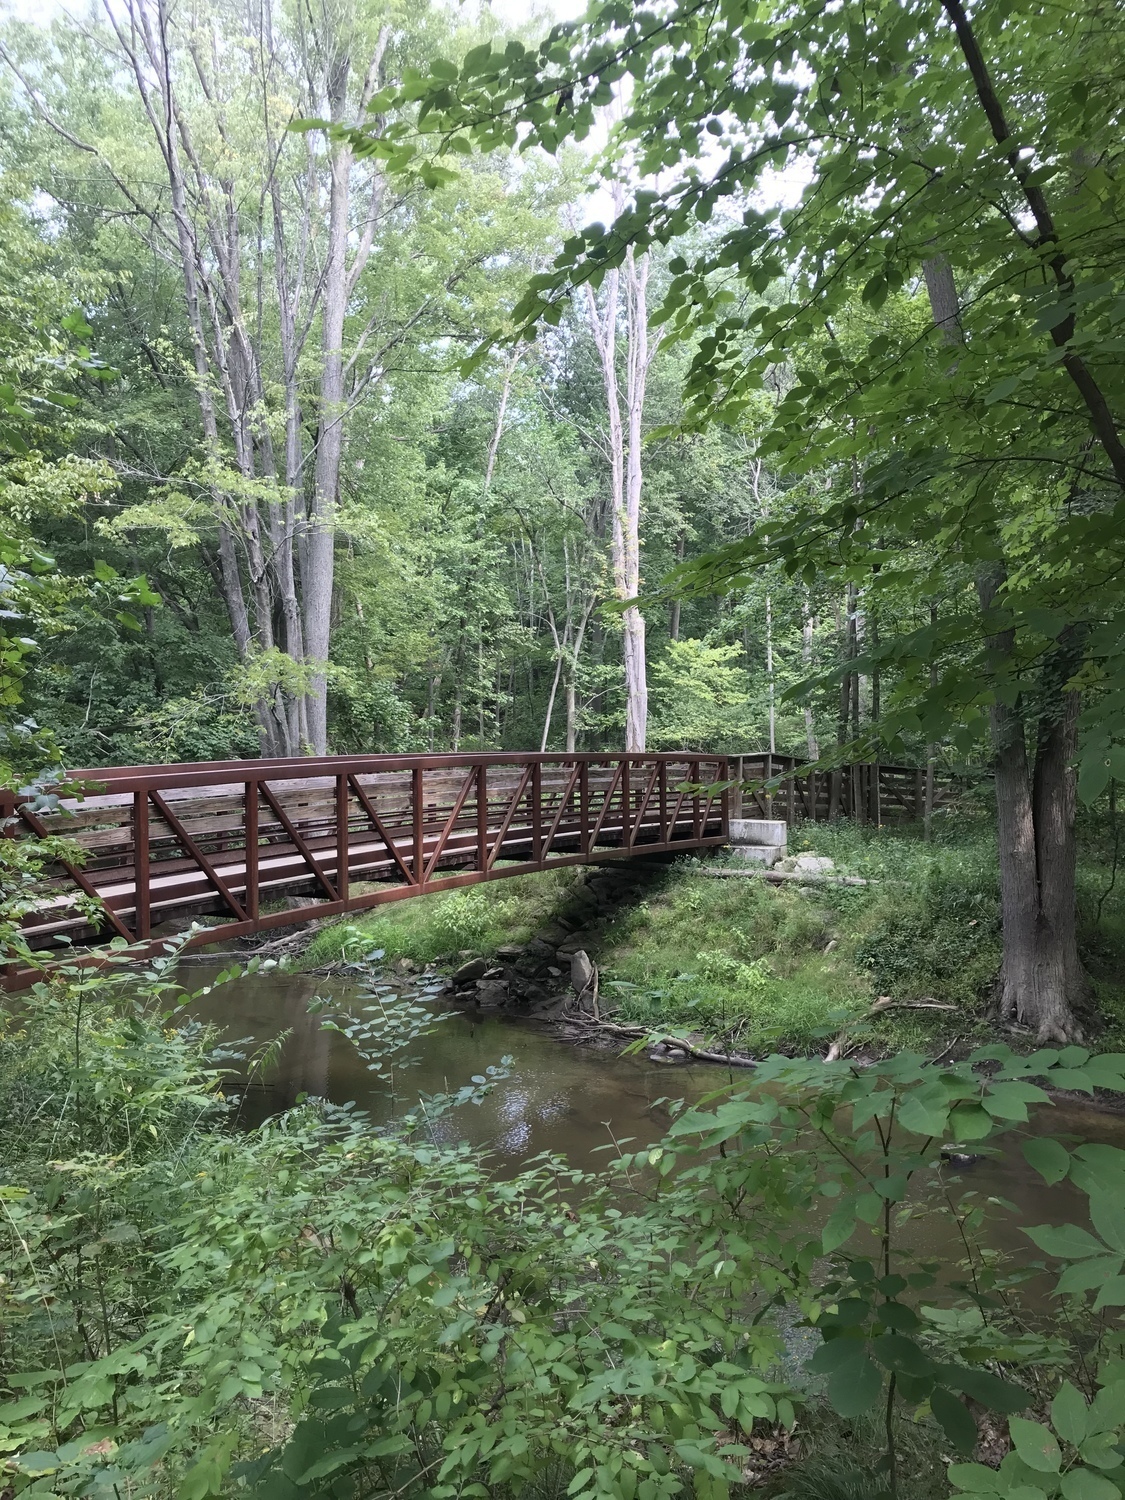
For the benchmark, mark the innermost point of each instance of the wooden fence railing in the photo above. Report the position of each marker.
(870, 793)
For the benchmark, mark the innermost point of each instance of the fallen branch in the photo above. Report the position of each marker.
(885, 1002)
(734, 1059)
(945, 1050)
(781, 877)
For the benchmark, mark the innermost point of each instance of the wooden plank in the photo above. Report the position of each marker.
(283, 818)
(198, 855)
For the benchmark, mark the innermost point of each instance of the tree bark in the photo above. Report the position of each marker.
(807, 628)
(1041, 978)
(626, 472)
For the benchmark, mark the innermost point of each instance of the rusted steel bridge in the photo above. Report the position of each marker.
(267, 843)
(154, 847)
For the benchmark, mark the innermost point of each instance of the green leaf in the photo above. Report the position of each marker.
(922, 1117)
(1108, 1410)
(955, 1420)
(1068, 1414)
(855, 1388)
(1002, 389)
(998, 1395)
(975, 1479)
(838, 1230)
(1036, 1445)
(1085, 1274)
(1108, 1217)
(1112, 1294)
(1049, 1158)
(835, 1354)
(1084, 1484)
(970, 1122)
(1067, 1241)
(1093, 778)
(902, 1355)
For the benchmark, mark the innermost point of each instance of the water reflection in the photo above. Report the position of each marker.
(579, 1102)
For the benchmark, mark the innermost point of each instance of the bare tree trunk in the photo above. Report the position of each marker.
(626, 473)
(807, 627)
(674, 617)
(321, 543)
(769, 675)
(931, 755)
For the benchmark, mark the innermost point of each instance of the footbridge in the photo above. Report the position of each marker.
(140, 853)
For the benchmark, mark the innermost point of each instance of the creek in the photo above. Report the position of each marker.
(580, 1102)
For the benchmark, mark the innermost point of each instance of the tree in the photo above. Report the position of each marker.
(287, 248)
(624, 450)
(924, 130)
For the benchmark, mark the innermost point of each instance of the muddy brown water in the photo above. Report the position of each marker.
(580, 1102)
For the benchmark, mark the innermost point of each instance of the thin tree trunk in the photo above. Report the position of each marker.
(807, 628)
(931, 753)
(674, 618)
(769, 675)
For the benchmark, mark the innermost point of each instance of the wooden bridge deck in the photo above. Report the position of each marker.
(150, 849)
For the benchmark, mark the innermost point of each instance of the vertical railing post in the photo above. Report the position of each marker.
(417, 793)
(584, 808)
(696, 810)
(250, 836)
(662, 777)
(876, 796)
(537, 811)
(626, 810)
(482, 816)
(342, 850)
(791, 802)
(919, 794)
(141, 874)
(723, 770)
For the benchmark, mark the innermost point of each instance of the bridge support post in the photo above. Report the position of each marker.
(342, 852)
(250, 839)
(482, 817)
(419, 828)
(142, 885)
(584, 807)
(626, 805)
(537, 812)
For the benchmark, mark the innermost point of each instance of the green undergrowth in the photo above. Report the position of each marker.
(754, 965)
(475, 919)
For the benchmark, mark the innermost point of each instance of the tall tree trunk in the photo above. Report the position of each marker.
(931, 751)
(674, 616)
(1041, 978)
(769, 676)
(624, 444)
(807, 628)
(321, 542)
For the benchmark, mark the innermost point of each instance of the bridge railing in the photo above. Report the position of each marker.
(151, 848)
(869, 792)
